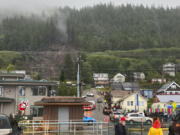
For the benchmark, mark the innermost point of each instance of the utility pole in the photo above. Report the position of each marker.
(78, 77)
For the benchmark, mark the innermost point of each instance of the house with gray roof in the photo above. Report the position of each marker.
(167, 95)
(128, 86)
(15, 89)
(170, 88)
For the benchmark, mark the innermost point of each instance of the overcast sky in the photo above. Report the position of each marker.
(39, 5)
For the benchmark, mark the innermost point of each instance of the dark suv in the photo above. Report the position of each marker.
(174, 129)
(5, 127)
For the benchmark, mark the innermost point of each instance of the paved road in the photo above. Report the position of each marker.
(99, 116)
(98, 112)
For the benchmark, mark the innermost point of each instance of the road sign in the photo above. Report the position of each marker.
(23, 105)
(174, 106)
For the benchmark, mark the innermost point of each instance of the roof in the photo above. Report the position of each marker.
(166, 86)
(131, 95)
(117, 86)
(119, 93)
(11, 75)
(125, 86)
(6, 100)
(61, 100)
(167, 98)
(27, 83)
(130, 86)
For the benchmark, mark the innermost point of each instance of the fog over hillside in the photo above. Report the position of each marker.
(37, 6)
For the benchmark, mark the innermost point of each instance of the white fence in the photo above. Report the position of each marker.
(63, 128)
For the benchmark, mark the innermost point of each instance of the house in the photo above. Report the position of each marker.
(134, 102)
(63, 108)
(128, 86)
(101, 79)
(118, 95)
(166, 101)
(14, 90)
(138, 76)
(169, 68)
(170, 88)
(118, 78)
(148, 93)
(158, 80)
(166, 95)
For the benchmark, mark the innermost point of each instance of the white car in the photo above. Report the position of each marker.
(138, 117)
(100, 87)
(89, 94)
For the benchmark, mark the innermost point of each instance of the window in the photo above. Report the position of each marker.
(1, 91)
(173, 86)
(141, 103)
(131, 103)
(134, 115)
(39, 91)
(128, 103)
(21, 91)
(36, 111)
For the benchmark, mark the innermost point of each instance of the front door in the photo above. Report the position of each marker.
(63, 118)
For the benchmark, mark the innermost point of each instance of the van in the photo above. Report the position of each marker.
(5, 127)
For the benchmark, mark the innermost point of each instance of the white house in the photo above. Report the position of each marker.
(169, 68)
(101, 79)
(166, 95)
(118, 78)
(170, 88)
(166, 101)
(158, 80)
(138, 76)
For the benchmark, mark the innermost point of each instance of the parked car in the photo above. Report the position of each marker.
(87, 107)
(115, 115)
(106, 110)
(88, 119)
(99, 100)
(138, 117)
(100, 87)
(174, 128)
(5, 127)
(89, 94)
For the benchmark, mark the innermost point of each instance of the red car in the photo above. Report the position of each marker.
(87, 107)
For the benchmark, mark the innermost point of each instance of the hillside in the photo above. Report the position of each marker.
(98, 28)
(110, 39)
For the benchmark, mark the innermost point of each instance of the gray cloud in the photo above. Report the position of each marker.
(36, 6)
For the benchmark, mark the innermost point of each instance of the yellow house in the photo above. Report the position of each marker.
(118, 95)
(134, 102)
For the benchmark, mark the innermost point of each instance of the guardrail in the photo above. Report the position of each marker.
(46, 127)
(64, 128)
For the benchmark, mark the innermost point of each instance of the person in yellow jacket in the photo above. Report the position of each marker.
(156, 129)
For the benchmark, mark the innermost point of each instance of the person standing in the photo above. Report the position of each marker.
(156, 129)
(120, 127)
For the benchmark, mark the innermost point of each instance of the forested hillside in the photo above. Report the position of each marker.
(110, 39)
(98, 28)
